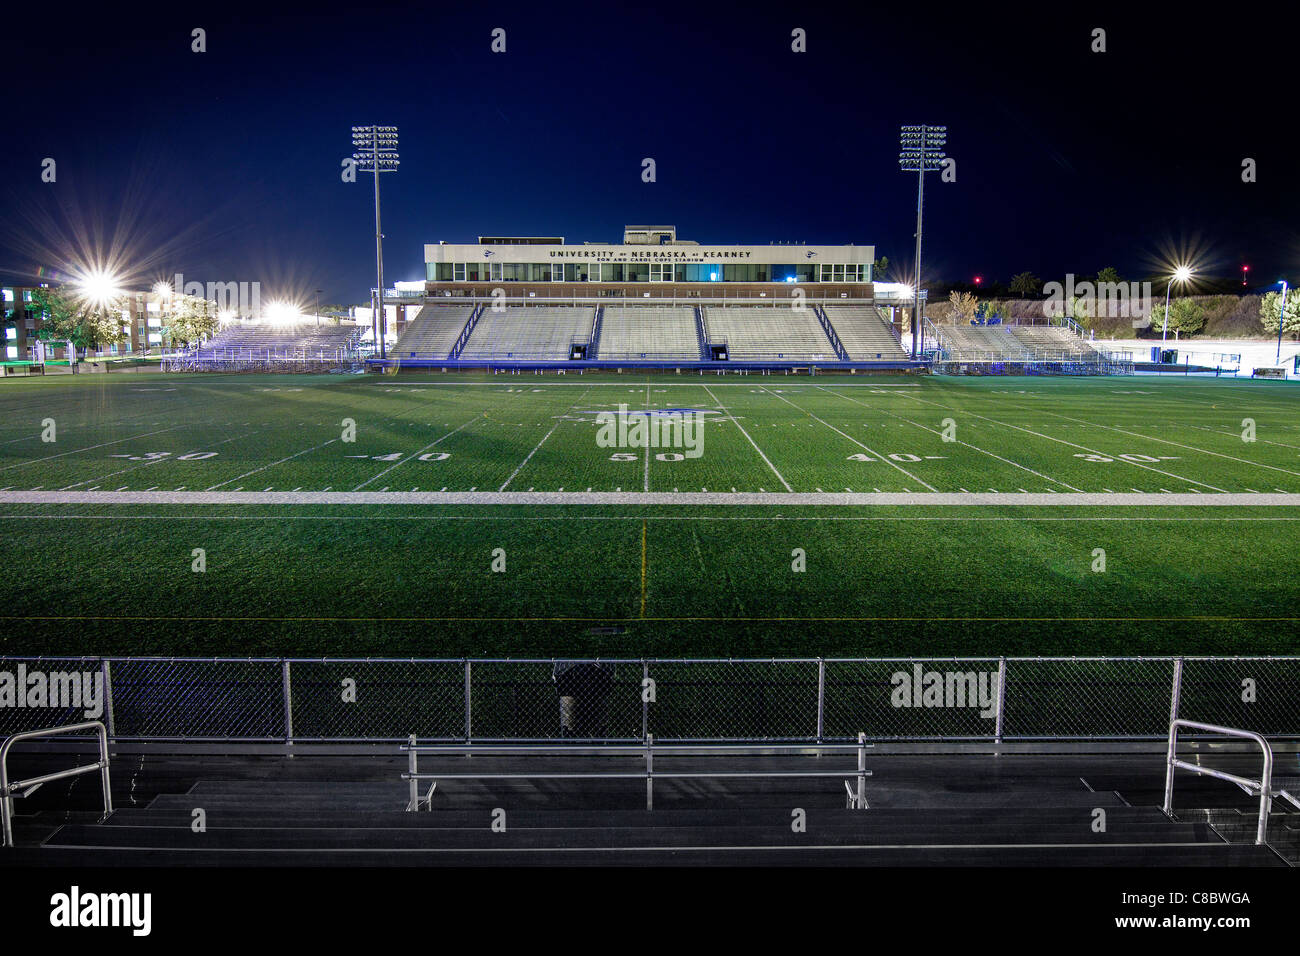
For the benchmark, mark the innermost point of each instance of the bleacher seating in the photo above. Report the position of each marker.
(864, 333)
(769, 333)
(1054, 342)
(981, 343)
(306, 339)
(432, 333)
(649, 333)
(529, 333)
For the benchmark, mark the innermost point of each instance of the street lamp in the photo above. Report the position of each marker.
(1181, 275)
(920, 150)
(1281, 321)
(375, 151)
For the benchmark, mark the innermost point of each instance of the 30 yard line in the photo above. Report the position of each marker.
(1030, 431)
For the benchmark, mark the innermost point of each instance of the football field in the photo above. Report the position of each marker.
(430, 515)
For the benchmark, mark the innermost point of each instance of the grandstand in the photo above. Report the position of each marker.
(649, 333)
(766, 333)
(529, 333)
(864, 333)
(432, 331)
(264, 347)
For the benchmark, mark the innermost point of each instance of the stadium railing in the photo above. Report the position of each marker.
(647, 750)
(1263, 786)
(812, 700)
(26, 787)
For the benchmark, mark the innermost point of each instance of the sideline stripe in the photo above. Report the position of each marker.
(973, 499)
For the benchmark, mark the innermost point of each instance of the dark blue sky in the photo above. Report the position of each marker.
(225, 165)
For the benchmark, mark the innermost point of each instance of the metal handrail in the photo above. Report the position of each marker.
(1264, 785)
(648, 749)
(7, 789)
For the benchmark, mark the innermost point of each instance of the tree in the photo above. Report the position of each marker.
(192, 318)
(1077, 309)
(1026, 285)
(67, 317)
(963, 306)
(1109, 274)
(1268, 310)
(1187, 316)
(880, 268)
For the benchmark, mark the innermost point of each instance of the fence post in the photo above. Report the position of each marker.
(106, 668)
(414, 802)
(645, 704)
(821, 699)
(649, 772)
(1176, 691)
(861, 799)
(286, 685)
(468, 725)
(1002, 696)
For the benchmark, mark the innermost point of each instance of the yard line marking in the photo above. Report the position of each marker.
(779, 476)
(1024, 518)
(1265, 441)
(156, 461)
(118, 441)
(1030, 431)
(645, 483)
(272, 464)
(420, 452)
(959, 442)
(543, 442)
(883, 458)
(823, 499)
(1176, 444)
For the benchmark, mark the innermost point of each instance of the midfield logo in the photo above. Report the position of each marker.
(658, 428)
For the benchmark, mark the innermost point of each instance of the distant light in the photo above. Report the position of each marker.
(1182, 273)
(280, 312)
(226, 315)
(99, 288)
(162, 290)
(713, 277)
(789, 279)
(908, 291)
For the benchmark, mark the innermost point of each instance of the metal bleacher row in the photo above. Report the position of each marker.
(279, 340)
(649, 333)
(1015, 343)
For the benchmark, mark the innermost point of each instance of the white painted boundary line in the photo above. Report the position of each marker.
(884, 499)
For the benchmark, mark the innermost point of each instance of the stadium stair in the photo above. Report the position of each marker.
(269, 813)
(593, 347)
(842, 355)
(466, 332)
(701, 334)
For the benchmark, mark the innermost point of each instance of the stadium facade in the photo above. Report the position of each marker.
(653, 299)
(651, 262)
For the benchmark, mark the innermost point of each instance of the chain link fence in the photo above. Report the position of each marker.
(808, 699)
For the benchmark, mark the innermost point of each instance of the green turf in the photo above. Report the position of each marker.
(676, 579)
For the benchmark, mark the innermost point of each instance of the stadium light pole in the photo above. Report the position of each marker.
(1181, 275)
(1281, 321)
(375, 151)
(920, 151)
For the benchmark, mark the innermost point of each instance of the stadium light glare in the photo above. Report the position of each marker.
(281, 312)
(163, 290)
(1182, 273)
(99, 287)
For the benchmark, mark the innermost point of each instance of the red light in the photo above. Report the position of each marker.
(978, 280)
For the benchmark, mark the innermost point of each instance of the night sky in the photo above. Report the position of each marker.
(225, 165)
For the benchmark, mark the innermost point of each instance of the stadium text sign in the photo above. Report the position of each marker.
(922, 688)
(59, 690)
(660, 428)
